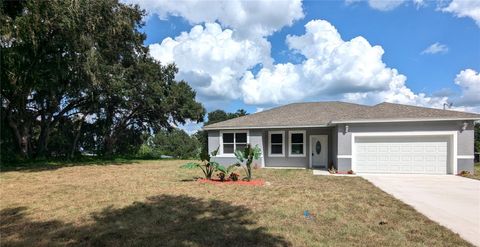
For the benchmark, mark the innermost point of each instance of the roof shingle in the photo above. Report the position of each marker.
(324, 113)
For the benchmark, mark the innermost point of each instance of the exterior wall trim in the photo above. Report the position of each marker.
(452, 134)
(402, 120)
(466, 157)
(268, 127)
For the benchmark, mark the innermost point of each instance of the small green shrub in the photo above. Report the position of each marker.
(248, 155)
(208, 166)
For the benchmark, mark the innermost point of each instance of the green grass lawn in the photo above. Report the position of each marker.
(154, 203)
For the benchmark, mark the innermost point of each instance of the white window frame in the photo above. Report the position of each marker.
(270, 143)
(290, 143)
(234, 141)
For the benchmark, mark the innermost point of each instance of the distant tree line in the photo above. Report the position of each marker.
(77, 78)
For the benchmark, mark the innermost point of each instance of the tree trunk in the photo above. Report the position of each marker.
(109, 145)
(43, 140)
(21, 136)
(77, 136)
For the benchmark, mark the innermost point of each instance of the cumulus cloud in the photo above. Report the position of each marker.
(334, 68)
(247, 18)
(464, 8)
(469, 82)
(387, 5)
(435, 48)
(211, 59)
(459, 8)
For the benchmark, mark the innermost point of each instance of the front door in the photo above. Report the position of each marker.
(319, 151)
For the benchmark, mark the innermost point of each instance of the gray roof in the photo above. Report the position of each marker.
(325, 113)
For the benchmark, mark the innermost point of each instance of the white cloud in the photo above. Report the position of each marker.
(385, 5)
(464, 8)
(469, 82)
(459, 8)
(247, 18)
(334, 68)
(435, 48)
(211, 60)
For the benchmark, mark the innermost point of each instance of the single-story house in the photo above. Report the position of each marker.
(384, 138)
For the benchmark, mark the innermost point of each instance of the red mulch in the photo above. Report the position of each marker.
(254, 182)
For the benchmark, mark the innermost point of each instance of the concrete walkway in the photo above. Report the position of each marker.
(452, 201)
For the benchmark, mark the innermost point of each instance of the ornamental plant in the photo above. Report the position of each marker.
(247, 155)
(208, 166)
(226, 171)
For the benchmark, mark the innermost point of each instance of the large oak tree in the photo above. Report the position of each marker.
(77, 73)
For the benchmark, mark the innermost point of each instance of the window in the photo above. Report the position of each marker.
(276, 144)
(297, 143)
(232, 141)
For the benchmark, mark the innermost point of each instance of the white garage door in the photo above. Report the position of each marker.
(405, 154)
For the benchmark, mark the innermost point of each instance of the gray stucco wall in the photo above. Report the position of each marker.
(260, 137)
(296, 161)
(465, 138)
(465, 165)
(339, 142)
(255, 138)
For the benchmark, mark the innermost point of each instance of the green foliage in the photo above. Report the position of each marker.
(176, 143)
(229, 169)
(208, 166)
(248, 155)
(148, 152)
(76, 77)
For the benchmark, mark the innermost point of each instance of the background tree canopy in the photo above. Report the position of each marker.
(215, 117)
(76, 76)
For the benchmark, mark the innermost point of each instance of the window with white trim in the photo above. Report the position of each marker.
(276, 143)
(297, 143)
(232, 141)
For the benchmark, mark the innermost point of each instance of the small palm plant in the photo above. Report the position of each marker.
(248, 155)
(208, 166)
(226, 171)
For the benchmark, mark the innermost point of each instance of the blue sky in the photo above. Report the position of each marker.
(239, 54)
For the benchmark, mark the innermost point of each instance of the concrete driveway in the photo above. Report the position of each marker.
(452, 201)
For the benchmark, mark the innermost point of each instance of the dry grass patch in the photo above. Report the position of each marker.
(156, 203)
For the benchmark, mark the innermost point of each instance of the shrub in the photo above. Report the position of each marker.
(464, 173)
(234, 176)
(332, 170)
(221, 176)
(248, 155)
(208, 166)
(227, 170)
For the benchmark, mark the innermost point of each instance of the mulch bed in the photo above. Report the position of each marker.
(254, 182)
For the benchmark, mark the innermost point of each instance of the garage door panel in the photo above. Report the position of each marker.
(406, 154)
